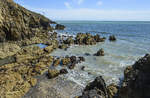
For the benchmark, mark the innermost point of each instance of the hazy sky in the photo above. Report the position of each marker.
(90, 9)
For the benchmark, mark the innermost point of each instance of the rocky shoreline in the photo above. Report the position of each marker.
(29, 71)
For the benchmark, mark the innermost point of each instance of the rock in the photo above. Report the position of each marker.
(87, 54)
(63, 46)
(66, 61)
(95, 89)
(112, 90)
(81, 59)
(7, 60)
(18, 23)
(72, 66)
(89, 40)
(63, 71)
(98, 39)
(56, 62)
(73, 59)
(54, 35)
(33, 82)
(8, 49)
(52, 73)
(100, 53)
(136, 82)
(60, 27)
(49, 49)
(12, 85)
(82, 68)
(112, 38)
(69, 41)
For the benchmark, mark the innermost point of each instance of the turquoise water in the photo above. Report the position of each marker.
(133, 42)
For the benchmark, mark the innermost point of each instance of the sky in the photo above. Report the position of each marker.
(98, 10)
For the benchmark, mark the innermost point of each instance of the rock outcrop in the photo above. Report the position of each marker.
(100, 53)
(18, 23)
(95, 89)
(136, 83)
(18, 77)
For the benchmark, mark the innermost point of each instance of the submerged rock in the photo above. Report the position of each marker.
(63, 71)
(100, 53)
(81, 59)
(112, 38)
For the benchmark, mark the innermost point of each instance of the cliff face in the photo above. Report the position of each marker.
(18, 23)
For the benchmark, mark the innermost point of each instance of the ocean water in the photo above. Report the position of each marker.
(133, 42)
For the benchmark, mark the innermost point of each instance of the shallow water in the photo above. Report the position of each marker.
(133, 42)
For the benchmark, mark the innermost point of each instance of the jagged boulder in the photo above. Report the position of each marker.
(95, 89)
(136, 83)
(18, 23)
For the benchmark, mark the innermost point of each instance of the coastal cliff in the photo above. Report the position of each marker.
(17, 23)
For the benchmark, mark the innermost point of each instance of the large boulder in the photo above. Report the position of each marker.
(95, 89)
(18, 23)
(136, 83)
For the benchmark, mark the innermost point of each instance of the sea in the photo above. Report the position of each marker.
(133, 42)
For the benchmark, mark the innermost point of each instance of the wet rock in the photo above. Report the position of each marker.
(112, 38)
(52, 73)
(73, 59)
(100, 53)
(63, 46)
(54, 35)
(95, 89)
(66, 61)
(17, 23)
(136, 81)
(63, 71)
(112, 90)
(81, 59)
(72, 66)
(60, 27)
(98, 38)
(69, 41)
(87, 54)
(56, 62)
(83, 68)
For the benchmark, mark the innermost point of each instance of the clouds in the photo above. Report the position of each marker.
(90, 10)
(67, 4)
(99, 3)
(79, 2)
(95, 14)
